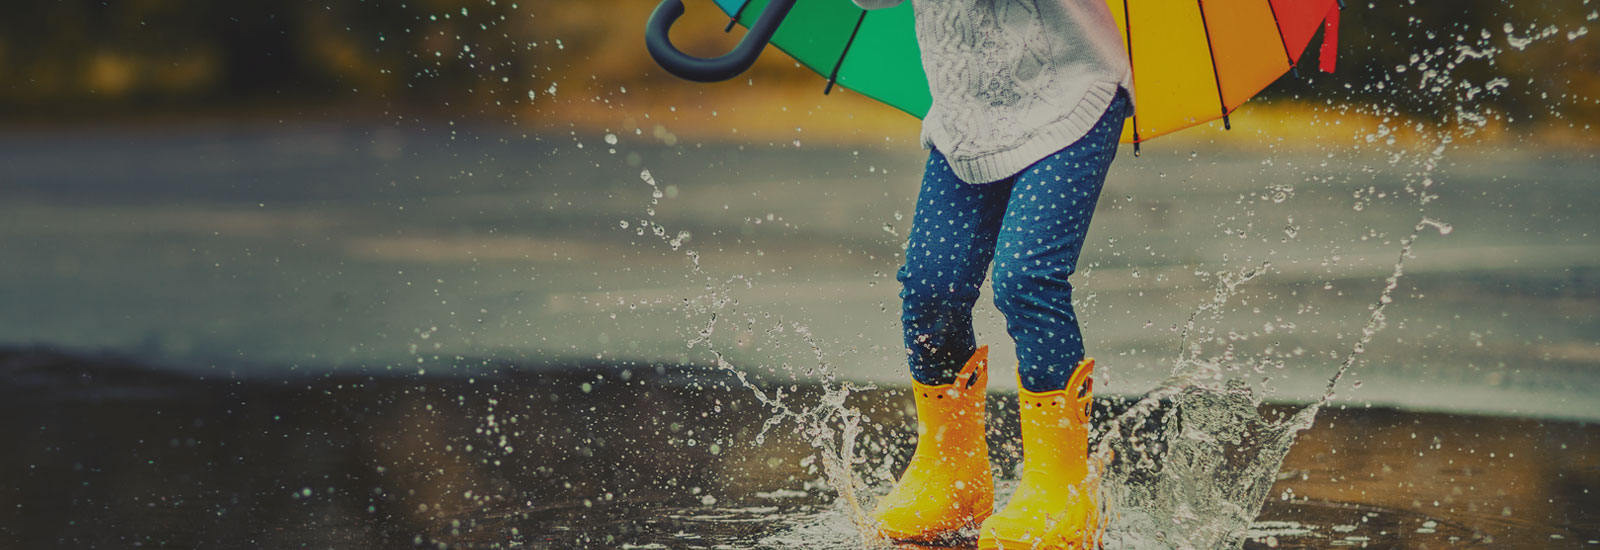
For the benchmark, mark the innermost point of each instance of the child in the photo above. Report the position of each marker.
(1029, 98)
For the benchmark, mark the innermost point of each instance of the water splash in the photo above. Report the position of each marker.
(833, 429)
(1198, 478)
(1189, 465)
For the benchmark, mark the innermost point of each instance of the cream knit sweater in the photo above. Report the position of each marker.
(1013, 81)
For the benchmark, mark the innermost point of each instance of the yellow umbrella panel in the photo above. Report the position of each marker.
(1194, 62)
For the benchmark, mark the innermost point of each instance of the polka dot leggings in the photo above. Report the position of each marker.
(1031, 226)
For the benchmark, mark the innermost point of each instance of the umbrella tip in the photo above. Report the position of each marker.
(1226, 124)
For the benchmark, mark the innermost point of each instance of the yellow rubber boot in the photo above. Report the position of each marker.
(947, 486)
(1055, 506)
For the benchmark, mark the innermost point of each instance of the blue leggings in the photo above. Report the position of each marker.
(1037, 220)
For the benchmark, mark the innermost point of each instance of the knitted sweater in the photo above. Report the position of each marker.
(1014, 81)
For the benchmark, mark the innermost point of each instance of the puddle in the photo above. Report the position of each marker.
(106, 454)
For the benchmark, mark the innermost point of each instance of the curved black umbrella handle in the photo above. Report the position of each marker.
(714, 69)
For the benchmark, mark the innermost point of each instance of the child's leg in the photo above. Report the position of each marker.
(950, 246)
(947, 485)
(1040, 238)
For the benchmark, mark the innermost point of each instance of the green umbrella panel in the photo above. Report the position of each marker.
(871, 52)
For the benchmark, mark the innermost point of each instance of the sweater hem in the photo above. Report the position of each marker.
(1047, 140)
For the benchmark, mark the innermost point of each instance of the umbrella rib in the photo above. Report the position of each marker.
(1210, 51)
(833, 76)
(736, 13)
(1281, 40)
(1127, 36)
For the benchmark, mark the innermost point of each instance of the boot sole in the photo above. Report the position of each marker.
(999, 544)
(940, 537)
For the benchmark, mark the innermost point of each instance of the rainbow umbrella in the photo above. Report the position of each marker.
(1192, 62)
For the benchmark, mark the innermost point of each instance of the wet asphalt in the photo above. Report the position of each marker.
(266, 251)
(108, 453)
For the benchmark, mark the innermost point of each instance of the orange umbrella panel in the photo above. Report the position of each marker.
(1197, 62)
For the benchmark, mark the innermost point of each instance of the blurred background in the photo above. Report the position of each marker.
(553, 65)
(320, 196)
(261, 186)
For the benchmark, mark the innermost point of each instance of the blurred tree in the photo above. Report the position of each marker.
(71, 55)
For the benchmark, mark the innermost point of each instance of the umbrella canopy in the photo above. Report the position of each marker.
(1192, 62)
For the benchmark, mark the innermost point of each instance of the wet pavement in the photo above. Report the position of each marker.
(306, 248)
(350, 336)
(110, 453)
